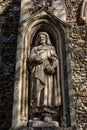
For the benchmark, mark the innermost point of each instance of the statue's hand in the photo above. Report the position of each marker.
(49, 70)
(38, 60)
(52, 70)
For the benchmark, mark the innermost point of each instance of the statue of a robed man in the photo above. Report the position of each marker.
(43, 64)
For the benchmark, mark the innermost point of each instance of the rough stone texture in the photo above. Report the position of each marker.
(4, 4)
(78, 61)
(8, 53)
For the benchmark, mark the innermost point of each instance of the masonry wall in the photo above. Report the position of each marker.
(10, 21)
(77, 48)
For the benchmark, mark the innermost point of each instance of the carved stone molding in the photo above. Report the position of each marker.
(29, 7)
(84, 11)
(45, 128)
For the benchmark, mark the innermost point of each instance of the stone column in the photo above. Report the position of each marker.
(20, 105)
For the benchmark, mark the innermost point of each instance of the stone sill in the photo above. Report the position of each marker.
(52, 128)
(43, 128)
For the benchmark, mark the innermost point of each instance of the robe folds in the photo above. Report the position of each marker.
(45, 88)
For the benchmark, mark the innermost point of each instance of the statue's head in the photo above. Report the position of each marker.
(43, 38)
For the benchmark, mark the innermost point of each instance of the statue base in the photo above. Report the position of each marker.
(43, 124)
(46, 121)
(43, 128)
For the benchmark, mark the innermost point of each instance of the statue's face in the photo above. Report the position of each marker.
(42, 39)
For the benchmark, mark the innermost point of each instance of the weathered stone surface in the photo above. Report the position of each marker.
(8, 44)
(77, 40)
(29, 7)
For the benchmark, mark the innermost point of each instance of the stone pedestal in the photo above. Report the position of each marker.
(43, 124)
(44, 128)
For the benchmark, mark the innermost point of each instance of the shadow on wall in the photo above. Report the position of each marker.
(11, 15)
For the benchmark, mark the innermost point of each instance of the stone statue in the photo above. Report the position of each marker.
(43, 64)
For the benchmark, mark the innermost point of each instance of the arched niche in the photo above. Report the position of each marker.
(46, 26)
(56, 31)
(57, 36)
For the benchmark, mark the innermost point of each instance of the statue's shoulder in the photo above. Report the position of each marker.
(51, 47)
(34, 48)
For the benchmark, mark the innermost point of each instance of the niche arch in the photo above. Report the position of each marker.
(56, 32)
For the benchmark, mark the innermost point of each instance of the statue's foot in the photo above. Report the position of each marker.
(49, 121)
(46, 122)
(47, 118)
(36, 119)
(54, 124)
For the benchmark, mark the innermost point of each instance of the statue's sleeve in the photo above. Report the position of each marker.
(30, 59)
(32, 55)
(54, 57)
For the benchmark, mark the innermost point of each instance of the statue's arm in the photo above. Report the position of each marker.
(54, 58)
(34, 57)
(54, 62)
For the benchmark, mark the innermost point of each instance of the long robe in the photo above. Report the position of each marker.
(45, 91)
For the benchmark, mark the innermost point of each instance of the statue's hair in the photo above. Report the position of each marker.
(48, 42)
